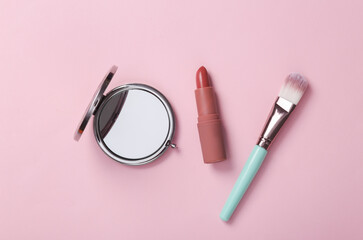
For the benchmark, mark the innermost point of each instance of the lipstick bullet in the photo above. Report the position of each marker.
(209, 122)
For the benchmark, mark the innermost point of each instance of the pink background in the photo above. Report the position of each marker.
(53, 55)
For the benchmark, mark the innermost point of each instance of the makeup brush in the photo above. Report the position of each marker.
(290, 94)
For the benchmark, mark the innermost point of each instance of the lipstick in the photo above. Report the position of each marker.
(209, 122)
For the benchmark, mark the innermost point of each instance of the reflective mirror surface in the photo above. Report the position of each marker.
(134, 124)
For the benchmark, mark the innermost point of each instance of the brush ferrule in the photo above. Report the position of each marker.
(278, 115)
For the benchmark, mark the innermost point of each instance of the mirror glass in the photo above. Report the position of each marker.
(133, 123)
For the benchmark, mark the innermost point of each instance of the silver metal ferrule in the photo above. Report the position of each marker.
(278, 115)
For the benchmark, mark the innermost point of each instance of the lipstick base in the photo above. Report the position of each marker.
(211, 140)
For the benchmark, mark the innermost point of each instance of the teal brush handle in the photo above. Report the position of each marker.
(245, 178)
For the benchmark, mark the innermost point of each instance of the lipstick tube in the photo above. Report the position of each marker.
(209, 122)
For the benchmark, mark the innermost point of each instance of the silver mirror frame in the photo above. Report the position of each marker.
(97, 97)
(162, 148)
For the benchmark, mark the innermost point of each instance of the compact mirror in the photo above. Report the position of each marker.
(133, 124)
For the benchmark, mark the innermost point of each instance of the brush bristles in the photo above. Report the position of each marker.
(294, 87)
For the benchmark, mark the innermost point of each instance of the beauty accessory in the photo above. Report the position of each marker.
(133, 124)
(209, 123)
(290, 95)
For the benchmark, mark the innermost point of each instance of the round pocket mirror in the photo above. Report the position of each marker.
(133, 124)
